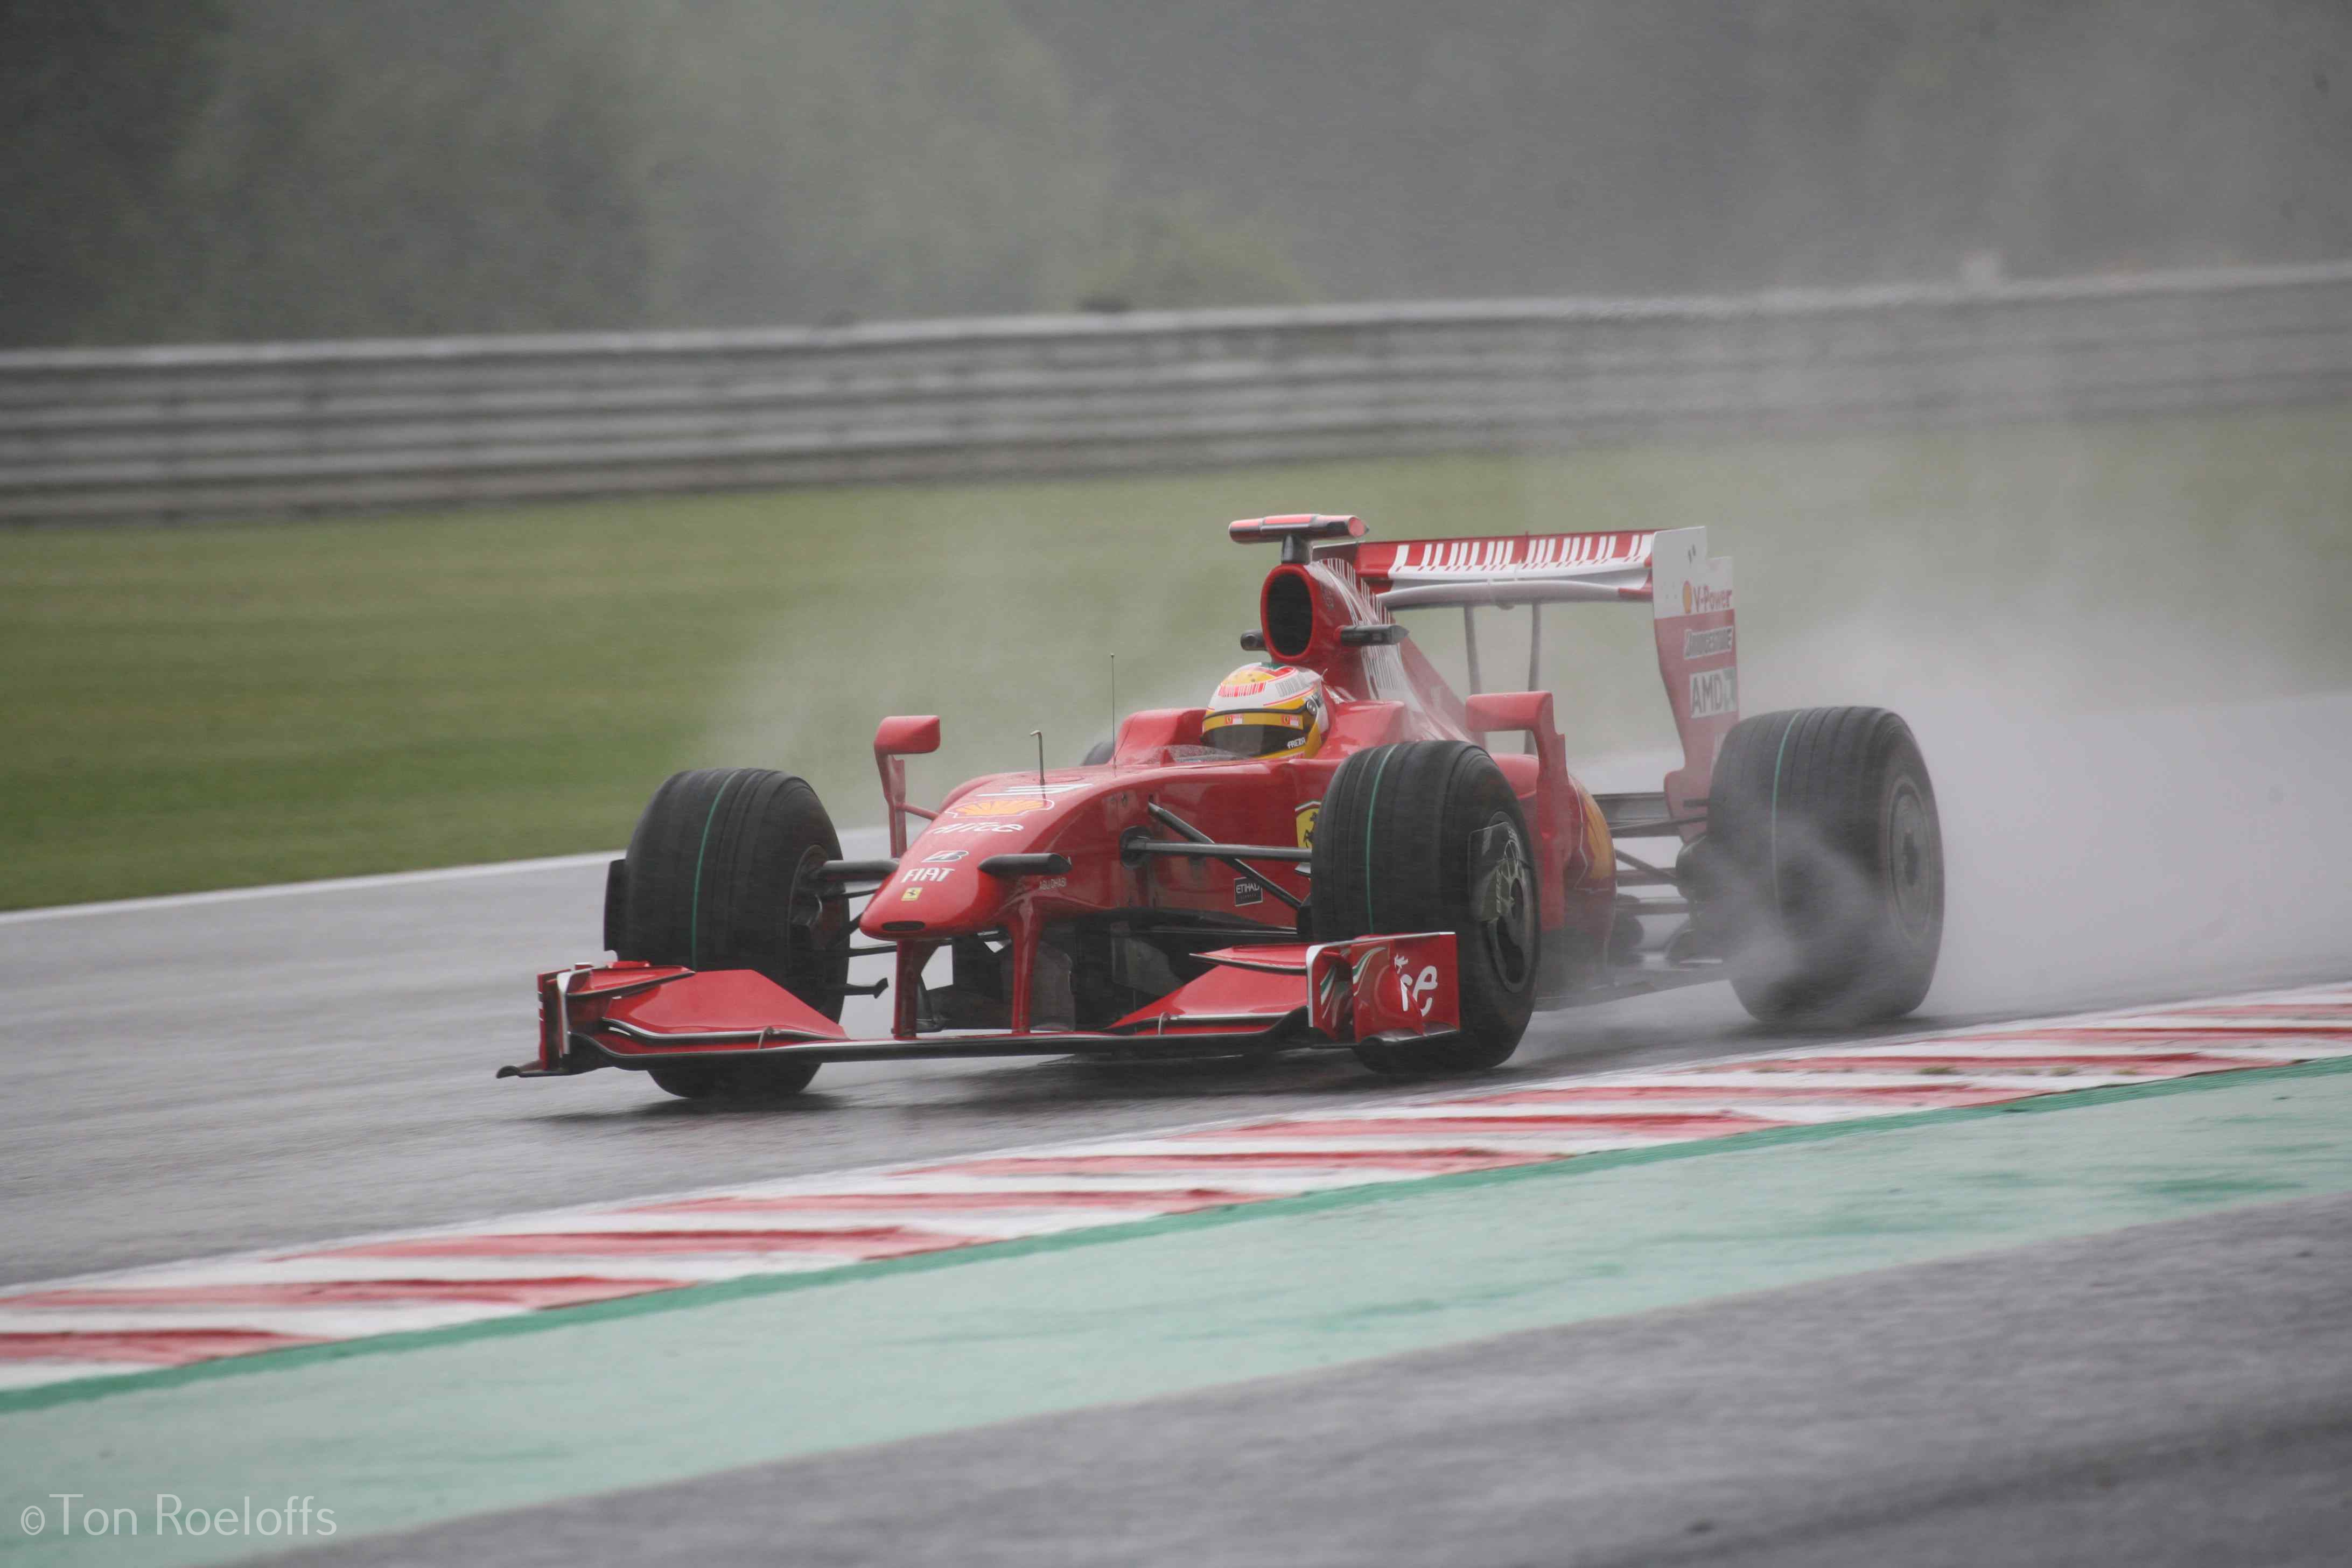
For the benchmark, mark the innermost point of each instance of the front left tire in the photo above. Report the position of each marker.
(723, 872)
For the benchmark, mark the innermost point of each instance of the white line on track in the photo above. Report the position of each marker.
(857, 837)
(324, 885)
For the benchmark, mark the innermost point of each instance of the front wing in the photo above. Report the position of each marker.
(1276, 997)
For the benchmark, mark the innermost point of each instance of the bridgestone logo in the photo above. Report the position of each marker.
(1707, 644)
(1714, 692)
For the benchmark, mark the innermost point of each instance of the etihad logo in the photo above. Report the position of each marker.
(1415, 988)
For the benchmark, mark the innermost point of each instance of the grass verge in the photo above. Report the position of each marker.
(202, 708)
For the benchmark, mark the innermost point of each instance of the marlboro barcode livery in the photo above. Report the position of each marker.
(1324, 856)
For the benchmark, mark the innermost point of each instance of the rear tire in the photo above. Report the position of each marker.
(1428, 835)
(722, 873)
(1826, 831)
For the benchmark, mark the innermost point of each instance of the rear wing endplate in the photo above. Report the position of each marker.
(1699, 658)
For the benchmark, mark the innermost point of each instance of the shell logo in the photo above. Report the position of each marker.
(1704, 600)
(998, 808)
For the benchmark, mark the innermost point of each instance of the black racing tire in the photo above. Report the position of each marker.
(722, 873)
(1098, 753)
(740, 1082)
(1823, 823)
(1428, 835)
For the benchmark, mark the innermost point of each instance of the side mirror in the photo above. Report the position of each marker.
(897, 738)
(907, 735)
(1492, 711)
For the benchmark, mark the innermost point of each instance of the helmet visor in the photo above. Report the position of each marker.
(1255, 734)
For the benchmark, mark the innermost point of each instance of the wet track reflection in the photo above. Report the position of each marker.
(198, 1079)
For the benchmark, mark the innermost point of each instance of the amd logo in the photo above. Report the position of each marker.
(1714, 692)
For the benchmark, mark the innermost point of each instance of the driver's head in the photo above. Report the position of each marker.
(1267, 711)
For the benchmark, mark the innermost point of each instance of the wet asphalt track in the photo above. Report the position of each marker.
(207, 1078)
(204, 1078)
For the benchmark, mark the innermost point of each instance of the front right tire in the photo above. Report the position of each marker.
(1823, 826)
(1428, 835)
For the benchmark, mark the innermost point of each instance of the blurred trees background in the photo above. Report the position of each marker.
(183, 170)
(205, 170)
(1507, 147)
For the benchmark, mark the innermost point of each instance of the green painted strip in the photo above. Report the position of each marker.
(461, 1427)
(1371, 922)
(1772, 842)
(691, 1297)
(701, 851)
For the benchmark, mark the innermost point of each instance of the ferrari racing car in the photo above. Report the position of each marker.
(1330, 854)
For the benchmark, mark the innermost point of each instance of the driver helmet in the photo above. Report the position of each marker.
(1267, 711)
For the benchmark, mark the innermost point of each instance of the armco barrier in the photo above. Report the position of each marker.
(163, 433)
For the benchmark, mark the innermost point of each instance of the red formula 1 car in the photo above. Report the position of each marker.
(1326, 856)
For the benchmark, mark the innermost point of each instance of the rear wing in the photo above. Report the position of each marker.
(1519, 569)
(1688, 591)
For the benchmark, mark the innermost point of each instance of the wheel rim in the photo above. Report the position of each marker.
(1502, 900)
(1915, 868)
(816, 926)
